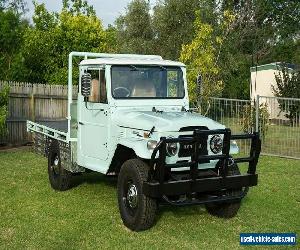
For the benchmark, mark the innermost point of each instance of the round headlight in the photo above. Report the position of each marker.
(172, 148)
(216, 144)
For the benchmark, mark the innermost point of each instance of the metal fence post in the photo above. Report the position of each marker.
(257, 114)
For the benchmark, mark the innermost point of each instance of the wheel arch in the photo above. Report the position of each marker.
(121, 154)
(138, 146)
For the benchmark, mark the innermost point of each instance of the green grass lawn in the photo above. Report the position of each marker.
(34, 216)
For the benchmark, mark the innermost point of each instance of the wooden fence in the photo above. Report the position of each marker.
(35, 102)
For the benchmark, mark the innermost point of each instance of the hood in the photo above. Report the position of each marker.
(163, 122)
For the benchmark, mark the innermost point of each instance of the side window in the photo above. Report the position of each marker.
(103, 93)
(98, 86)
(174, 84)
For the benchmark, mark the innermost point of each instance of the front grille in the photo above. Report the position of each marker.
(186, 149)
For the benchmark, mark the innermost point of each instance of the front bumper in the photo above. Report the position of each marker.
(158, 187)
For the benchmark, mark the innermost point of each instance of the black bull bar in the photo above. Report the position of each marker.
(158, 187)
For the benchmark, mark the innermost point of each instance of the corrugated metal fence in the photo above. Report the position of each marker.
(36, 102)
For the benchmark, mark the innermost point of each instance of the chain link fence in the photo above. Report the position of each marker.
(282, 132)
(231, 113)
(277, 120)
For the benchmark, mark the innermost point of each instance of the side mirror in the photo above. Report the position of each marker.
(86, 80)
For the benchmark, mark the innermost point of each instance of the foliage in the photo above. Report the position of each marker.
(135, 34)
(202, 57)
(264, 32)
(39, 53)
(42, 19)
(9, 32)
(18, 6)
(55, 35)
(288, 85)
(173, 26)
(111, 39)
(11, 37)
(248, 119)
(3, 109)
(79, 7)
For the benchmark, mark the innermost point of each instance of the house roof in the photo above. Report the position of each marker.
(273, 66)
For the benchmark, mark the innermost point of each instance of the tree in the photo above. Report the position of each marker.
(135, 33)
(264, 31)
(18, 6)
(163, 32)
(54, 36)
(11, 37)
(288, 86)
(173, 26)
(202, 57)
(111, 38)
(42, 19)
(3, 108)
(79, 7)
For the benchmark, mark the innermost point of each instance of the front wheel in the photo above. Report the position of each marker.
(137, 210)
(228, 209)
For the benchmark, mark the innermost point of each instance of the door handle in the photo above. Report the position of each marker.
(81, 123)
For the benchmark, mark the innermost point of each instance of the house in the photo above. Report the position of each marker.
(262, 80)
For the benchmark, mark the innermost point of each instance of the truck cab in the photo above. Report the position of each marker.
(128, 99)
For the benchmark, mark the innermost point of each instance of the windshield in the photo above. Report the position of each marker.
(135, 81)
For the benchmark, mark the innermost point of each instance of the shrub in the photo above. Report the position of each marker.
(288, 85)
(248, 119)
(3, 109)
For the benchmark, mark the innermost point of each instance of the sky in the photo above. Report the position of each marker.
(107, 10)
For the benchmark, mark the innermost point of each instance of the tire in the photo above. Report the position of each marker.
(137, 210)
(228, 209)
(60, 179)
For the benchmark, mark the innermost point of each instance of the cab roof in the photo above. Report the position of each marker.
(141, 60)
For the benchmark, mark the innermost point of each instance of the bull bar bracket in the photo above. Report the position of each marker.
(157, 187)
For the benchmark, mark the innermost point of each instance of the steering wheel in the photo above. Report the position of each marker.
(121, 92)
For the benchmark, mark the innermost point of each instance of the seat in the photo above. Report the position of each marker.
(95, 91)
(143, 88)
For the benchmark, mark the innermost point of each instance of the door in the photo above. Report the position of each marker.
(93, 122)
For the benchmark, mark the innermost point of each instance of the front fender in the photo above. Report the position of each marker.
(138, 146)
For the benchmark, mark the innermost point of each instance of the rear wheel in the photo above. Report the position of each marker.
(137, 210)
(228, 209)
(60, 179)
